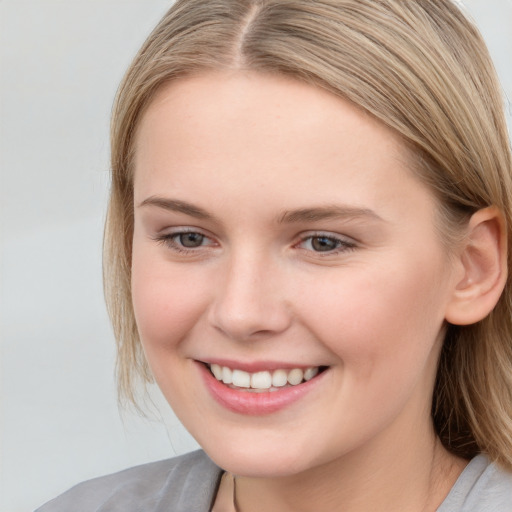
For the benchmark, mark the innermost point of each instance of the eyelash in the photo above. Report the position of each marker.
(341, 245)
(169, 240)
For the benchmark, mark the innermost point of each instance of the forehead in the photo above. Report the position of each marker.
(264, 106)
(221, 130)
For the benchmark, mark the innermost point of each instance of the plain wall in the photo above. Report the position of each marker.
(60, 64)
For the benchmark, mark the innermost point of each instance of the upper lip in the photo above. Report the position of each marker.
(258, 366)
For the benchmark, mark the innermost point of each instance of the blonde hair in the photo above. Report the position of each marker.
(419, 67)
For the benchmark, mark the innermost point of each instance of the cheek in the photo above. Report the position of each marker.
(384, 331)
(383, 316)
(167, 305)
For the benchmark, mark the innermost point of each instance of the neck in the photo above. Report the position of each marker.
(404, 476)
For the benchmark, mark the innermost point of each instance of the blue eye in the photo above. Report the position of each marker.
(190, 240)
(326, 244)
(185, 241)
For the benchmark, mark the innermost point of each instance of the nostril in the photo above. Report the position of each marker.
(252, 324)
(249, 301)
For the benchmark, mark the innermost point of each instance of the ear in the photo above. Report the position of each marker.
(483, 264)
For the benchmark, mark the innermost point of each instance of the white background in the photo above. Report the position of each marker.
(60, 64)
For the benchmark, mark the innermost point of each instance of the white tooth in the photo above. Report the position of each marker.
(295, 376)
(227, 375)
(261, 380)
(241, 379)
(217, 371)
(310, 373)
(279, 378)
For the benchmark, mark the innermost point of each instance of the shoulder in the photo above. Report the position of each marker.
(185, 483)
(482, 487)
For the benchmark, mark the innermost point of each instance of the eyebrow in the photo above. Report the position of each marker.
(174, 205)
(325, 213)
(313, 214)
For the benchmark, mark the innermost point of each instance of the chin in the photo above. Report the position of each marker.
(255, 460)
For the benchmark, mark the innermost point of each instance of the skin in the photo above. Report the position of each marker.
(244, 149)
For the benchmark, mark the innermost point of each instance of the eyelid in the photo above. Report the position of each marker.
(345, 243)
(167, 237)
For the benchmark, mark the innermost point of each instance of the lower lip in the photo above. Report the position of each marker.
(256, 403)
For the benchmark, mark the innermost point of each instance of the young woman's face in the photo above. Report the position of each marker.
(279, 235)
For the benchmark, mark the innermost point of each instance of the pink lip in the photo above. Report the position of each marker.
(255, 404)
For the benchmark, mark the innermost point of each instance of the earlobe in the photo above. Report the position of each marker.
(483, 260)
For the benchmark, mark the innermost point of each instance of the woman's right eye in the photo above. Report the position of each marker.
(185, 241)
(190, 239)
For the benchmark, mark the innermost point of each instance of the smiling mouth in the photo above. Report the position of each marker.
(264, 381)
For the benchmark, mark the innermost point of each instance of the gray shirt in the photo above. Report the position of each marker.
(189, 484)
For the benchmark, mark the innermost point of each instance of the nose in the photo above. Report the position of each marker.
(250, 302)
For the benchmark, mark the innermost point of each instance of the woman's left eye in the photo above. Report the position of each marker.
(323, 243)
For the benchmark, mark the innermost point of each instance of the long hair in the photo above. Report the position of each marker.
(423, 70)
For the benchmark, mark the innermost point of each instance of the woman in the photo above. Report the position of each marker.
(306, 248)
